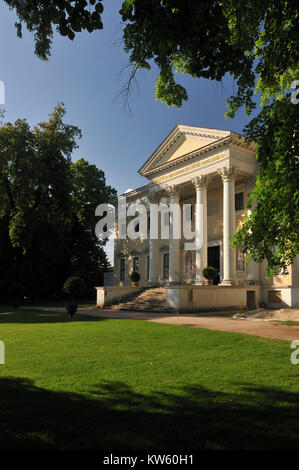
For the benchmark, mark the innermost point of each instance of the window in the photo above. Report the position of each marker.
(149, 223)
(137, 227)
(147, 267)
(122, 269)
(166, 266)
(239, 201)
(136, 264)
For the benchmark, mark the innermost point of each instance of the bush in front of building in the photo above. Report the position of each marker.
(135, 278)
(209, 273)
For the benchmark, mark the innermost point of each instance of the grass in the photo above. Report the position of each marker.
(287, 322)
(82, 303)
(95, 383)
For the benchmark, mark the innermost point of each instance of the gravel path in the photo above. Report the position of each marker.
(264, 329)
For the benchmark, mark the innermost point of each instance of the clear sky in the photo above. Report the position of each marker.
(85, 75)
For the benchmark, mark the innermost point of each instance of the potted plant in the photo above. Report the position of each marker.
(74, 286)
(209, 273)
(135, 277)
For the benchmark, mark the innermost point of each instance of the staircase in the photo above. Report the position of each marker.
(149, 300)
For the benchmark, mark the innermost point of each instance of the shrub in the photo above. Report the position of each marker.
(72, 309)
(135, 276)
(209, 272)
(74, 286)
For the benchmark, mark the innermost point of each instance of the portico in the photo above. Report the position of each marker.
(213, 171)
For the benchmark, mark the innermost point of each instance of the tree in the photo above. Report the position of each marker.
(88, 258)
(271, 230)
(256, 42)
(16, 291)
(46, 209)
(68, 16)
(35, 202)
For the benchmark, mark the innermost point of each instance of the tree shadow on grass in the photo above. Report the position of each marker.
(114, 416)
(8, 315)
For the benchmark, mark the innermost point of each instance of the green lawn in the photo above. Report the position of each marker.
(288, 323)
(105, 383)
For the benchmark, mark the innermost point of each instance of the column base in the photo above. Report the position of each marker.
(227, 282)
(198, 283)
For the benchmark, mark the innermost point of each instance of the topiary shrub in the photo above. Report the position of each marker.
(135, 277)
(72, 309)
(209, 272)
(16, 292)
(73, 286)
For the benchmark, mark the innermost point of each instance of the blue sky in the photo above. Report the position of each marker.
(85, 75)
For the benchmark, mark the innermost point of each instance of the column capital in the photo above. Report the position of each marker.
(173, 190)
(152, 196)
(227, 173)
(200, 181)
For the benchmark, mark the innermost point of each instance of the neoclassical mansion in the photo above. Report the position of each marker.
(216, 170)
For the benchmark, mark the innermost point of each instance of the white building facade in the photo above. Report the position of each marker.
(214, 171)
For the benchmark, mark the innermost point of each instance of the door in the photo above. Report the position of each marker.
(214, 260)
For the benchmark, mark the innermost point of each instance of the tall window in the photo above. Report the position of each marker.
(147, 267)
(239, 201)
(122, 269)
(136, 264)
(166, 265)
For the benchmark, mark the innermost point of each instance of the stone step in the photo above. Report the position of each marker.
(149, 299)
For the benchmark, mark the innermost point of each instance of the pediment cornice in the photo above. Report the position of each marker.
(232, 139)
(188, 156)
(175, 134)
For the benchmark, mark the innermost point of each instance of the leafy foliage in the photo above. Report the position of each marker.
(73, 285)
(135, 276)
(271, 229)
(16, 289)
(68, 17)
(209, 272)
(47, 206)
(254, 41)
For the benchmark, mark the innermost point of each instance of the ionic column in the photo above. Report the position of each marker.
(153, 251)
(201, 227)
(229, 255)
(174, 236)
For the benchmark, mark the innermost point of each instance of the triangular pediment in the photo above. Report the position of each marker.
(181, 141)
